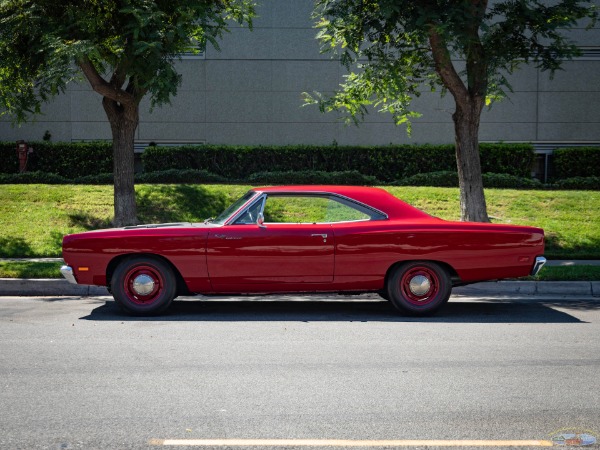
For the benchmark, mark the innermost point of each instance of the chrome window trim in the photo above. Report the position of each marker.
(344, 200)
(348, 201)
(383, 215)
(251, 201)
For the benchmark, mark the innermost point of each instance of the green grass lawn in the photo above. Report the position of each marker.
(34, 218)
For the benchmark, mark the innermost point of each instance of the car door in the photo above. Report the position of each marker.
(291, 247)
(270, 256)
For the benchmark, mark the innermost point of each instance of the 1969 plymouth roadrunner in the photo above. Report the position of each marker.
(303, 239)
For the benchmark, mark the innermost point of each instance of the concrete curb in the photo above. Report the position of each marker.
(578, 288)
(23, 287)
(19, 287)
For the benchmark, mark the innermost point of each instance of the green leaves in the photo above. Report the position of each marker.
(132, 43)
(386, 45)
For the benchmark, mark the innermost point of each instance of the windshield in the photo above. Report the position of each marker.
(222, 218)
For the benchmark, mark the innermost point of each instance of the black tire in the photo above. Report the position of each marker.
(419, 288)
(143, 286)
(384, 294)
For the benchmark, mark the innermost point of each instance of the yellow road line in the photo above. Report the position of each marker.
(347, 443)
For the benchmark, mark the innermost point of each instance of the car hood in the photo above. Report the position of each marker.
(149, 229)
(171, 225)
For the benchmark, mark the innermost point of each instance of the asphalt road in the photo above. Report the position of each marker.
(75, 373)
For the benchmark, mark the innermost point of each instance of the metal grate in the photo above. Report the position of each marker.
(549, 147)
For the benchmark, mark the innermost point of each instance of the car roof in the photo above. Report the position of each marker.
(375, 197)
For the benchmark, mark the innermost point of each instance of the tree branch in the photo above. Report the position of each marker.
(118, 77)
(445, 68)
(475, 52)
(101, 86)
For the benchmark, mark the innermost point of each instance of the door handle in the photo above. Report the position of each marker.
(324, 236)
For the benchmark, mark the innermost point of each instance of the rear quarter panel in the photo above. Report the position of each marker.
(476, 252)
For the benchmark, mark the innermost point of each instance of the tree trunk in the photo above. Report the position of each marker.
(469, 102)
(124, 119)
(466, 126)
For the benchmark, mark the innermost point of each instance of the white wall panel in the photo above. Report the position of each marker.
(250, 93)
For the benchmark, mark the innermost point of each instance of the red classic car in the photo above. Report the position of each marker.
(302, 239)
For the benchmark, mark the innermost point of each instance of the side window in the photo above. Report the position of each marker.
(250, 216)
(341, 212)
(310, 209)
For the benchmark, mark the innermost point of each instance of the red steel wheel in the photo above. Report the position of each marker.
(419, 287)
(143, 285)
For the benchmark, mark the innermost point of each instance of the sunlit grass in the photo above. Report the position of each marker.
(26, 269)
(34, 218)
(569, 273)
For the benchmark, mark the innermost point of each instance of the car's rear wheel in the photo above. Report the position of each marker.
(419, 287)
(143, 285)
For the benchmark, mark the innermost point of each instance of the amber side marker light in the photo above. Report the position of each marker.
(83, 269)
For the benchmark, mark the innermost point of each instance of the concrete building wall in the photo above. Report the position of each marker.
(250, 93)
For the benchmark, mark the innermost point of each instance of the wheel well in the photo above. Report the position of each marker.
(114, 263)
(453, 275)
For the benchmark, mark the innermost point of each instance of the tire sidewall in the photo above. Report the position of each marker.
(124, 299)
(404, 304)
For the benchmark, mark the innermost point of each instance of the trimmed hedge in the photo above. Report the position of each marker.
(73, 160)
(578, 183)
(237, 163)
(511, 159)
(179, 176)
(348, 177)
(9, 163)
(443, 178)
(506, 181)
(490, 180)
(32, 178)
(385, 163)
(437, 179)
(69, 160)
(165, 176)
(576, 162)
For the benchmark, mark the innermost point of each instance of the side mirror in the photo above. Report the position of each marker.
(260, 220)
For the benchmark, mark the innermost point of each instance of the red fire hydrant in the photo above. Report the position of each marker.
(22, 154)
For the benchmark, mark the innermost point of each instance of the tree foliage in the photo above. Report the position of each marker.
(468, 48)
(134, 42)
(125, 49)
(390, 42)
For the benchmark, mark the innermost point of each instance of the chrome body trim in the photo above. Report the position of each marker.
(67, 272)
(539, 263)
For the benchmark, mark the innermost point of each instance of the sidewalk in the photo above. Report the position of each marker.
(60, 287)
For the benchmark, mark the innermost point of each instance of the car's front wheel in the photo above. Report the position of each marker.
(143, 285)
(419, 287)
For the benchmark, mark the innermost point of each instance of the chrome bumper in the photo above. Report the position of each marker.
(539, 263)
(67, 272)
